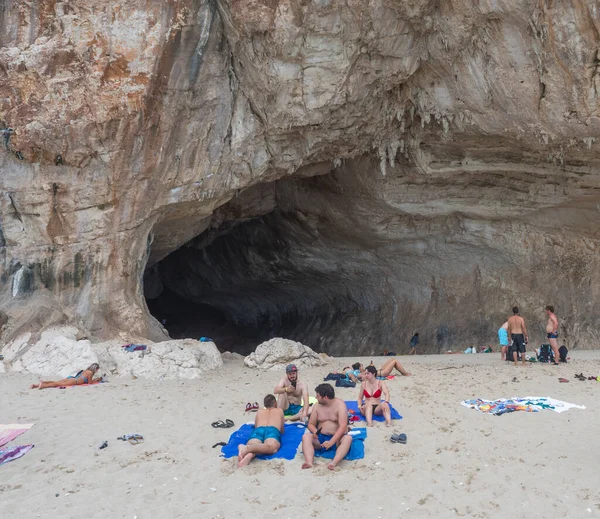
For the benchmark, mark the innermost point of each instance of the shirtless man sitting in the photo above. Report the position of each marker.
(291, 392)
(327, 428)
(552, 332)
(518, 333)
(266, 437)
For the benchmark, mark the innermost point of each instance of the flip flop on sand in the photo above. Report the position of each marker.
(563, 380)
(219, 444)
(134, 439)
(220, 424)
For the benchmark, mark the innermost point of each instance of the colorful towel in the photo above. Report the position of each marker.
(10, 431)
(12, 453)
(529, 404)
(290, 440)
(83, 385)
(357, 450)
(353, 408)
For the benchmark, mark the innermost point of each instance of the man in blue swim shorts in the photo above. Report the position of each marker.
(266, 437)
(293, 395)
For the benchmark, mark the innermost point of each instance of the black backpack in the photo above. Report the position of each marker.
(344, 382)
(546, 354)
(563, 352)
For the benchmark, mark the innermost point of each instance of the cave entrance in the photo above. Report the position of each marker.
(275, 261)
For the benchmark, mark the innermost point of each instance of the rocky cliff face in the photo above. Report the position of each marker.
(341, 173)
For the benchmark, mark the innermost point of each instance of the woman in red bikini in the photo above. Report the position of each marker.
(371, 390)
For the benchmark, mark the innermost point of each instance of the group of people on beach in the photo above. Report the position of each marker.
(326, 421)
(515, 328)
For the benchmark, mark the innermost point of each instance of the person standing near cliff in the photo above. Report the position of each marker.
(413, 344)
(552, 332)
(518, 333)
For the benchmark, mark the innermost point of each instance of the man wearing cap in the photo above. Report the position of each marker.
(293, 395)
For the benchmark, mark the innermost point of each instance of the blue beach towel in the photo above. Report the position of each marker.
(357, 450)
(351, 405)
(290, 440)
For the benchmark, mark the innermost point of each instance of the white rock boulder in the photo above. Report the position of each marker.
(277, 353)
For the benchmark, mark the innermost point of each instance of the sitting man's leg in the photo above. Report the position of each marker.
(282, 402)
(343, 447)
(309, 443)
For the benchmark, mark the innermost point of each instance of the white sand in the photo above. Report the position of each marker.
(457, 461)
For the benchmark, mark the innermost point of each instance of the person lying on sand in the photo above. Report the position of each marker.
(389, 366)
(266, 437)
(355, 372)
(327, 428)
(371, 390)
(291, 393)
(85, 376)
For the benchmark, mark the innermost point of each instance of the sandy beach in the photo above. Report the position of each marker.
(457, 462)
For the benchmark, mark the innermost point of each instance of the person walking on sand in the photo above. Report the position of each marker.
(293, 395)
(85, 376)
(552, 332)
(266, 437)
(327, 428)
(503, 340)
(371, 391)
(414, 342)
(518, 333)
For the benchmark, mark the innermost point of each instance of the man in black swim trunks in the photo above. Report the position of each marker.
(518, 333)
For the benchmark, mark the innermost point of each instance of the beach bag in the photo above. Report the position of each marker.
(344, 382)
(563, 352)
(545, 354)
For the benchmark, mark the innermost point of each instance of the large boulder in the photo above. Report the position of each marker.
(277, 353)
(185, 358)
(58, 353)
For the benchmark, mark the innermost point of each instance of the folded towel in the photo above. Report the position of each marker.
(353, 407)
(290, 440)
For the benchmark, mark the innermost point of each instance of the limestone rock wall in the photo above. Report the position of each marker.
(461, 137)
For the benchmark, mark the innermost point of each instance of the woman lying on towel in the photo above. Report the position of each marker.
(371, 390)
(85, 376)
(389, 366)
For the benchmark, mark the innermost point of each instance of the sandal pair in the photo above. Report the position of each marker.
(134, 439)
(398, 438)
(252, 407)
(220, 424)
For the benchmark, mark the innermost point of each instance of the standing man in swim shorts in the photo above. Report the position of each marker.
(291, 393)
(552, 332)
(327, 428)
(518, 333)
(266, 437)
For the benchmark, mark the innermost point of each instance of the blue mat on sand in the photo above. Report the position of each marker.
(352, 406)
(357, 450)
(290, 440)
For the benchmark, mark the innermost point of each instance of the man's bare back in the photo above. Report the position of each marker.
(516, 325)
(269, 417)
